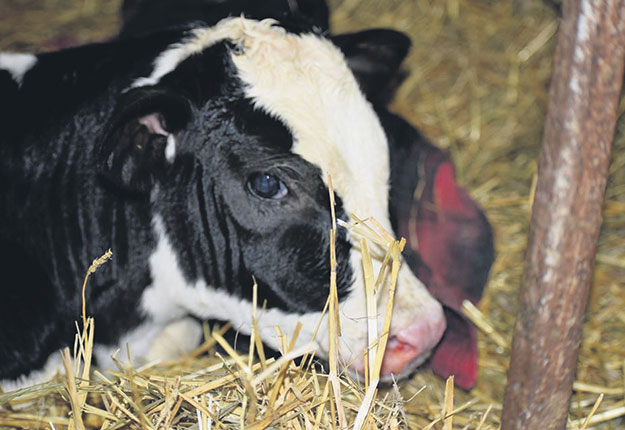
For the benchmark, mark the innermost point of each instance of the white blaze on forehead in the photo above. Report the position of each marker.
(304, 80)
(17, 64)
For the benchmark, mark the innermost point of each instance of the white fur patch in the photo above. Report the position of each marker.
(152, 341)
(170, 149)
(178, 338)
(53, 366)
(139, 341)
(17, 64)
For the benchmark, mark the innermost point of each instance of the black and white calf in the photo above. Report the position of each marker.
(449, 239)
(200, 157)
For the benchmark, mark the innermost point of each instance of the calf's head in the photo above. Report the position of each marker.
(233, 135)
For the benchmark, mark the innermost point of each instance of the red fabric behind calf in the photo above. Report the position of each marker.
(453, 241)
(446, 195)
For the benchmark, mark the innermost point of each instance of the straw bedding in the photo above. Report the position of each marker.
(477, 86)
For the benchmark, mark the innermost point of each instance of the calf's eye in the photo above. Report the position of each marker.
(267, 186)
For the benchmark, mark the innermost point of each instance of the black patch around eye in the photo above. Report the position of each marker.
(267, 186)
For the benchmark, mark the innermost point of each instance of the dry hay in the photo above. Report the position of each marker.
(479, 72)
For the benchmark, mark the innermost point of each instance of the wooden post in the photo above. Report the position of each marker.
(566, 216)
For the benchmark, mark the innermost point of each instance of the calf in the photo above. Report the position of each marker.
(449, 240)
(200, 157)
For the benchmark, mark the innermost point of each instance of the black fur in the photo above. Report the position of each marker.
(146, 16)
(375, 57)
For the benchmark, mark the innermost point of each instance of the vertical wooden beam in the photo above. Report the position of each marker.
(566, 216)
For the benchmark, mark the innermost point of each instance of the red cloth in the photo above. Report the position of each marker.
(450, 248)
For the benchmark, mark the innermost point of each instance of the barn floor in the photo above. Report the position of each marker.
(479, 72)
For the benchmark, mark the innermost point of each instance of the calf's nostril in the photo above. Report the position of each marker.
(409, 347)
(399, 357)
(392, 343)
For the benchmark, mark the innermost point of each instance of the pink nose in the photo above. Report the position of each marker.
(410, 346)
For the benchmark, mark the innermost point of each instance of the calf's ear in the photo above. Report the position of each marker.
(375, 57)
(138, 141)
